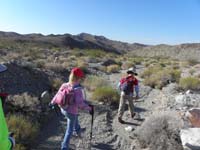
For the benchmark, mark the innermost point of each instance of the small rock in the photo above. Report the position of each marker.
(129, 128)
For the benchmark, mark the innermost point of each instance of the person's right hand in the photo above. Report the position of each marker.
(92, 109)
(51, 105)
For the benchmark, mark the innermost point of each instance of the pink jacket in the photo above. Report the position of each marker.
(79, 102)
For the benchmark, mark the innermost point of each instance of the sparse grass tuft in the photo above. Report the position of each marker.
(158, 77)
(106, 94)
(25, 131)
(56, 83)
(92, 82)
(113, 68)
(55, 67)
(192, 83)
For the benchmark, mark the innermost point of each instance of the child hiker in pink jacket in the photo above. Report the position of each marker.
(71, 111)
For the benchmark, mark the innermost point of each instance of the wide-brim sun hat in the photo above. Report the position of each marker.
(132, 71)
(2, 68)
(77, 72)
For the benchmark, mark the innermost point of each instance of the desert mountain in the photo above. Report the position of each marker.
(186, 51)
(82, 41)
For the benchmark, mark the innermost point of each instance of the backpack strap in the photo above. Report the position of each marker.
(77, 86)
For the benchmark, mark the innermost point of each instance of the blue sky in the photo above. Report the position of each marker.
(142, 21)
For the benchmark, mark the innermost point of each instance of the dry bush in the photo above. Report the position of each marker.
(149, 71)
(25, 131)
(158, 77)
(56, 67)
(92, 82)
(192, 83)
(161, 132)
(40, 63)
(83, 65)
(33, 53)
(138, 60)
(25, 100)
(102, 68)
(113, 68)
(106, 94)
(192, 71)
(56, 83)
(192, 62)
(127, 64)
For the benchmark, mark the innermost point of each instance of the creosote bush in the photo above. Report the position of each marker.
(192, 83)
(25, 131)
(106, 94)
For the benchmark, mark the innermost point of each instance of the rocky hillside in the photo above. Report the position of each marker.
(87, 41)
(180, 52)
(81, 41)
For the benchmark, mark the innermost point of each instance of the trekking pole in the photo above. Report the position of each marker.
(92, 121)
(91, 126)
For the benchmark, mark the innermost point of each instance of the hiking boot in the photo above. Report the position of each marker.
(133, 115)
(120, 120)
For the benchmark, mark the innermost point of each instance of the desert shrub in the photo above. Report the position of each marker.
(113, 68)
(25, 131)
(83, 65)
(163, 64)
(106, 94)
(25, 101)
(127, 64)
(175, 75)
(192, 62)
(189, 83)
(138, 60)
(95, 53)
(89, 59)
(40, 63)
(102, 68)
(92, 82)
(192, 71)
(33, 53)
(56, 83)
(158, 77)
(161, 132)
(56, 67)
(20, 147)
(149, 71)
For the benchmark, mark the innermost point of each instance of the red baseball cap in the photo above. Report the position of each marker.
(77, 72)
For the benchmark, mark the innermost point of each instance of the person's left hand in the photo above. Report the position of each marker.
(12, 139)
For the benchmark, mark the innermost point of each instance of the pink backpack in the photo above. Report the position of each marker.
(65, 96)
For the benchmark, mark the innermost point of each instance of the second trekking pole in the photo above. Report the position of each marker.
(92, 120)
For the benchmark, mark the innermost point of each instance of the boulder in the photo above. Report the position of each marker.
(188, 100)
(190, 138)
(193, 116)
